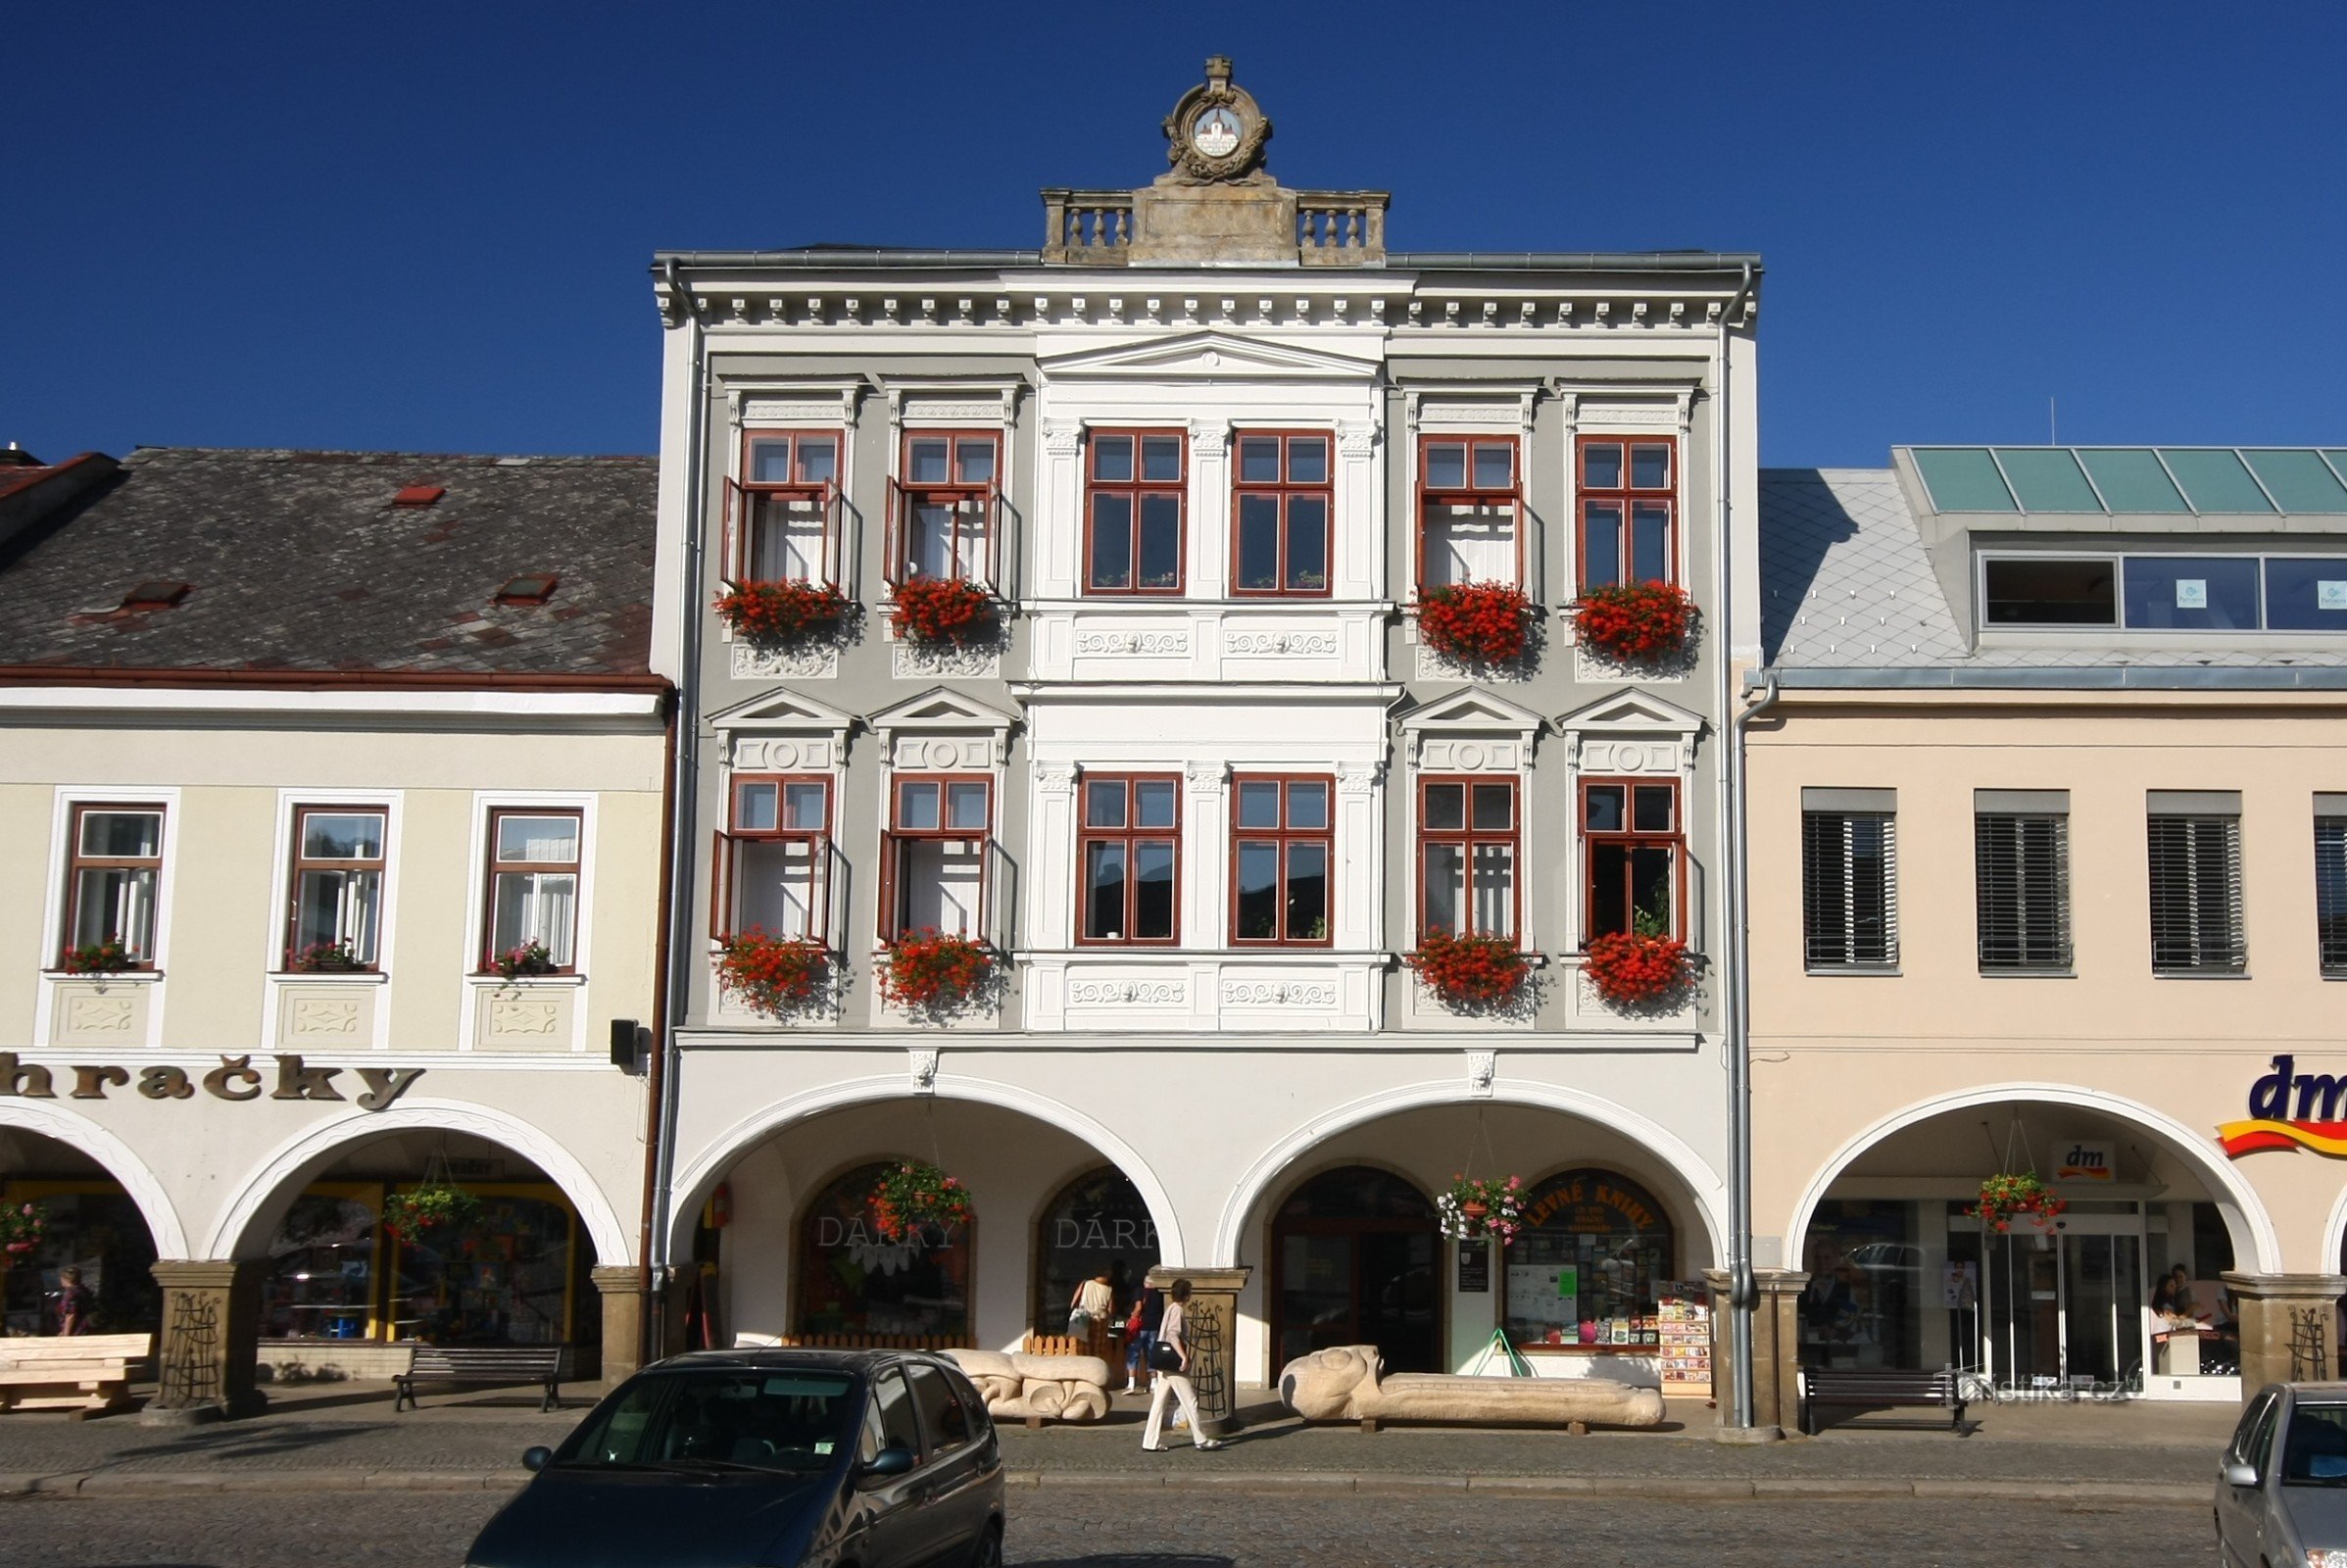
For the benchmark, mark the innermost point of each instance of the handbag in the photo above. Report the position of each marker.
(1163, 1357)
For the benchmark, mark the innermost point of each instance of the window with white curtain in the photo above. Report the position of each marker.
(533, 884)
(337, 893)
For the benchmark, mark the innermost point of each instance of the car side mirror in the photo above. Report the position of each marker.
(892, 1461)
(535, 1459)
(2237, 1474)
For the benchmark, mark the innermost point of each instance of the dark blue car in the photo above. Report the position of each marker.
(766, 1459)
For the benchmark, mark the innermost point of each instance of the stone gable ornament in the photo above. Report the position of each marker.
(1218, 131)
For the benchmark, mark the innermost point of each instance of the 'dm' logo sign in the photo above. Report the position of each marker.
(2289, 1110)
(2083, 1161)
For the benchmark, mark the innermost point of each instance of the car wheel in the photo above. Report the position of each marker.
(988, 1552)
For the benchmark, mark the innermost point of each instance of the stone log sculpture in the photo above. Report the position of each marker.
(1345, 1383)
(1018, 1387)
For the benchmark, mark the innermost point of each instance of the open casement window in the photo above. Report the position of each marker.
(2330, 882)
(772, 868)
(113, 879)
(1628, 495)
(1849, 879)
(1469, 845)
(2195, 847)
(337, 893)
(2021, 871)
(945, 516)
(1470, 511)
(1636, 857)
(1133, 504)
(1282, 850)
(785, 515)
(1129, 857)
(533, 885)
(1282, 502)
(937, 855)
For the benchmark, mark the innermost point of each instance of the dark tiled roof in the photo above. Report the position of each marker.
(298, 561)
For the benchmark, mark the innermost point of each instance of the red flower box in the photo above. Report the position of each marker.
(1633, 970)
(1482, 621)
(773, 974)
(780, 612)
(941, 610)
(1635, 622)
(1472, 970)
(934, 969)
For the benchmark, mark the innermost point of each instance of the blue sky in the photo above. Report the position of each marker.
(427, 227)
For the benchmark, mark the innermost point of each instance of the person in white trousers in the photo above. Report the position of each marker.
(1173, 1347)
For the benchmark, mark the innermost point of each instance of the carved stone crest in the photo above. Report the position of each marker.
(1218, 131)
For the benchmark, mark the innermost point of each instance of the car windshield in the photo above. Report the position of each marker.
(2314, 1453)
(734, 1418)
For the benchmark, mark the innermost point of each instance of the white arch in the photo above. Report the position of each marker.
(299, 1156)
(2222, 1177)
(694, 1183)
(138, 1179)
(1702, 1184)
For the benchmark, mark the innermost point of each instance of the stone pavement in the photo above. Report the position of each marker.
(345, 1436)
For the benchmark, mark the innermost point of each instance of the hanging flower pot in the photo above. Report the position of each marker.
(1634, 969)
(2007, 1199)
(942, 610)
(909, 1197)
(935, 970)
(22, 1226)
(1635, 623)
(1487, 1205)
(773, 974)
(436, 1204)
(1482, 622)
(781, 611)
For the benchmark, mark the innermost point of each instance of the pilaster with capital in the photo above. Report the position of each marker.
(1357, 558)
(1059, 487)
(1052, 920)
(1358, 849)
(1206, 818)
(1209, 542)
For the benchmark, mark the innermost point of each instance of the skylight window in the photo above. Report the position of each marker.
(2047, 480)
(2131, 479)
(2298, 481)
(155, 594)
(419, 495)
(534, 588)
(2215, 479)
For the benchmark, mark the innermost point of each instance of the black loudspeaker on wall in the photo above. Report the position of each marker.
(628, 1044)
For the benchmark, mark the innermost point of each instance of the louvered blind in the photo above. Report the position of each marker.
(2331, 889)
(2021, 868)
(1849, 888)
(2196, 895)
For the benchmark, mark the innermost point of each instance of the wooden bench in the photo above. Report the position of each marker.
(1880, 1389)
(85, 1373)
(484, 1363)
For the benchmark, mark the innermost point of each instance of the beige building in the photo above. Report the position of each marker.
(333, 787)
(2049, 858)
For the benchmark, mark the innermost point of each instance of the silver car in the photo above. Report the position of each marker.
(2281, 1494)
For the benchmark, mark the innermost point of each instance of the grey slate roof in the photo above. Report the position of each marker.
(1844, 585)
(298, 561)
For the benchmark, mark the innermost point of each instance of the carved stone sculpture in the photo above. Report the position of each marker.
(1345, 1383)
(1020, 1387)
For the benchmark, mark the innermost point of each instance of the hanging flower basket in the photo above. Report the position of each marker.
(781, 611)
(323, 958)
(109, 956)
(22, 1226)
(909, 1197)
(1634, 969)
(1472, 970)
(1482, 622)
(2006, 1198)
(773, 974)
(434, 1205)
(934, 969)
(1482, 1206)
(942, 610)
(1635, 623)
(529, 957)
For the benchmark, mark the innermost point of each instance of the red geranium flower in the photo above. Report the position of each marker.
(1635, 621)
(1482, 621)
(780, 612)
(773, 974)
(1632, 969)
(930, 968)
(1473, 970)
(941, 610)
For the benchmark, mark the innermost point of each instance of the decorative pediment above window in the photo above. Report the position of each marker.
(820, 400)
(1632, 732)
(1218, 356)
(1471, 732)
(942, 731)
(780, 731)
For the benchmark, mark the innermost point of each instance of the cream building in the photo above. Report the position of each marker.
(2048, 816)
(296, 744)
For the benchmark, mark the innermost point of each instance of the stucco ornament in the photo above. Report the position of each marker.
(1218, 131)
(1346, 1383)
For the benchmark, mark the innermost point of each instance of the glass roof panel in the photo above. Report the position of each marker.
(2047, 480)
(2215, 479)
(1963, 480)
(2339, 462)
(2130, 479)
(2298, 480)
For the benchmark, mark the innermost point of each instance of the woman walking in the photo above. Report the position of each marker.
(1171, 1361)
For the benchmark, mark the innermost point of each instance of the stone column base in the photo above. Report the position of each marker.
(1212, 1315)
(1776, 1353)
(2289, 1327)
(204, 1364)
(621, 1286)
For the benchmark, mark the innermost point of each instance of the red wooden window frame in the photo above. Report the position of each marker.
(1136, 490)
(493, 866)
(1283, 492)
(1281, 837)
(728, 842)
(296, 863)
(1468, 838)
(898, 836)
(1130, 835)
(77, 862)
(1471, 493)
(1629, 497)
(744, 495)
(1673, 838)
(979, 563)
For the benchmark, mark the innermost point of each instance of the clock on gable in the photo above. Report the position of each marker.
(1217, 130)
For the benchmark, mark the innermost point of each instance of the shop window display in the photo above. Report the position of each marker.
(1589, 1264)
(507, 1278)
(322, 1280)
(852, 1280)
(100, 1232)
(1098, 1224)
(1356, 1254)
(1870, 1281)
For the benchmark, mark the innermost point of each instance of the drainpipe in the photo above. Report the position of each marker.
(684, 775)
(1741, 1292)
